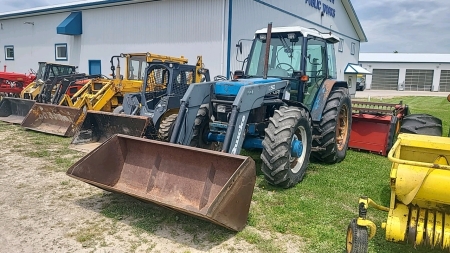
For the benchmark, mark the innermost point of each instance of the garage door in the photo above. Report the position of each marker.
(384, 79)
(444, 83)
(419, 79)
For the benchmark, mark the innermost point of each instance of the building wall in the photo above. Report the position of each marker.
(171, 27)
(402, 67)
(175, 28)
(291, 13)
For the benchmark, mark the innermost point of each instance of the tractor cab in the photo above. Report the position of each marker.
(50, 70)
(304, 57)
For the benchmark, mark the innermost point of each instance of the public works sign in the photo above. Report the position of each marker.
(324, 6)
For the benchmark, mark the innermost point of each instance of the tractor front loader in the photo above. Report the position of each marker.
(149, 113)
(14, 110)
(286, 104)
(65, 116)
(46, 116)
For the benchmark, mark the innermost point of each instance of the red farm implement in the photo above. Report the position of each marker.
(11, 84)
(375, 125)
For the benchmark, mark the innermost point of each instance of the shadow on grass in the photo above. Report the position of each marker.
(163, 222)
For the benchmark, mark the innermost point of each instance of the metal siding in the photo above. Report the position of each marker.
(250, 15)
(189, 28)
(32, 43)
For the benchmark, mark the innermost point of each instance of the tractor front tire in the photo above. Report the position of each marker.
(201, 127)
(333, 132)
(279, 166)
(166, 127)
(423, 124)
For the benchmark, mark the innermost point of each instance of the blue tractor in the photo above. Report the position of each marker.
(287, 102)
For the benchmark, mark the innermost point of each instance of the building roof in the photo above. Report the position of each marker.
(304, 31)
(87, 4)
(404, 57)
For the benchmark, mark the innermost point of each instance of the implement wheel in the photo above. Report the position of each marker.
(166, 127)
(357, 238)
(423, 124)
(334, 128)
(286, 147)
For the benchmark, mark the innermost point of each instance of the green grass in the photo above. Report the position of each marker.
(317, 211)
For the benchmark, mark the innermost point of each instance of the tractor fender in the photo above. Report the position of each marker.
(298, 104)
(322, 97)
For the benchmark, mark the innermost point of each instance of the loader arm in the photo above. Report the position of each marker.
(249, 97)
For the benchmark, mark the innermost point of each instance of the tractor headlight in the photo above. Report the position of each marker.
(221, 108)
(263, 36)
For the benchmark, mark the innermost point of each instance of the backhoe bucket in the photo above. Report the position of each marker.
(98, 126)
(54, 119)
(14, 110)
(207, 184)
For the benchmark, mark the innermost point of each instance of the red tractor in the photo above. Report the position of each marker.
(11, 84)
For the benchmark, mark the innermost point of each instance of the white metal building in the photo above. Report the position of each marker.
(88, 33)
(401, 71)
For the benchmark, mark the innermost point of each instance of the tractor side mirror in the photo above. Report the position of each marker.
(239, 47)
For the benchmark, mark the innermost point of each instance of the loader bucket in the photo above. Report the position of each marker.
(14, 110)
(210, 185)
(53, 119)
(98, 126)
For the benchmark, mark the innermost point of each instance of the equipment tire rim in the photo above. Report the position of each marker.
(296, 163)
(349, 240)
(342, 127)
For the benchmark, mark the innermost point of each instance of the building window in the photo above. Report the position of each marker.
(61, 52)
(353, 48)
(9, 53)
(341, 45)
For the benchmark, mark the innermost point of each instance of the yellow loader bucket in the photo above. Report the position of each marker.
(14, 110)
(98, 126)
(210, 185)
(53, 119)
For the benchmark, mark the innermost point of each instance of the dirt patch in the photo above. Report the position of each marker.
(43, 210)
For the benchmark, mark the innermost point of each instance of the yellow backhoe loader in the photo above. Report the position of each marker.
(99, 94)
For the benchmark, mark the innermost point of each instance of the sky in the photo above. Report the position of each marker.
(405, 26)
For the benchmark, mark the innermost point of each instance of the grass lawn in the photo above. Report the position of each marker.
(318, 210)
(321, 207)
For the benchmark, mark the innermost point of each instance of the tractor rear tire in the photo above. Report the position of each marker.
(357, 238)
(333, 132)
(280, 168)
(166, 127)
(423, 124)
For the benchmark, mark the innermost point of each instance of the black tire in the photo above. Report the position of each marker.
(118, 110)
(423, 124)
(357, 238)
(166, 127)
(392, 133)
(336, 117)
(280, 168)
(201, 128)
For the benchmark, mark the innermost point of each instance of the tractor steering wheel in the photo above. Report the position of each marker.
(282, 63)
